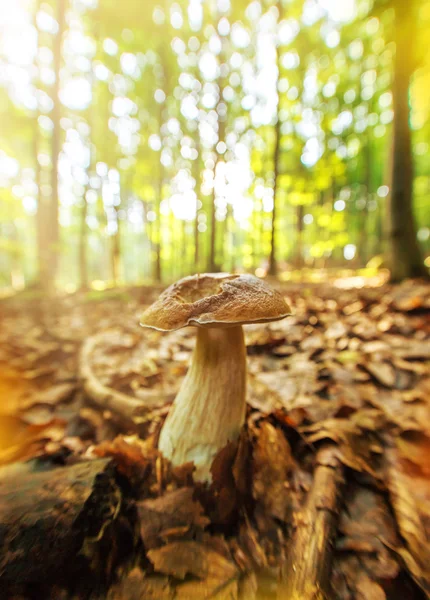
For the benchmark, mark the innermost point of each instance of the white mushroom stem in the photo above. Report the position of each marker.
(209, 410)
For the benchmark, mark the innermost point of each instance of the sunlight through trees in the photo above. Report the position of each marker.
(190, 135)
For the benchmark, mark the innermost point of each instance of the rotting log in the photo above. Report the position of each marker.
(307, 568)
(107, 398)
(48, 519)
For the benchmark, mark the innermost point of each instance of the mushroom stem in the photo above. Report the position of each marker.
(209, 410)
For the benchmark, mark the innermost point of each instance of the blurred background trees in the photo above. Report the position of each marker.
(145, 141)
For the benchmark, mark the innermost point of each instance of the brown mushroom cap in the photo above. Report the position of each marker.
(215, 300)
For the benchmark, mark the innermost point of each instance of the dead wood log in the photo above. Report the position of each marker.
(306, 573)
(109, 399)
(47, 519)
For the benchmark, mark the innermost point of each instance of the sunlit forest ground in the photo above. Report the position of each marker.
(344, 381)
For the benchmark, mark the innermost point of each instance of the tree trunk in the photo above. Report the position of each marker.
(222, 118)
(299, 232)
(41, 213)
(404, 252)
(212, 252)
(52, 217)
(273, 264)
(183, 267)
(364, 242)
(116, 252)
(230, 238)
(82, 250)
(42, 277)
(156, 228)
(196, 175)
(147, 268)
(83, 233)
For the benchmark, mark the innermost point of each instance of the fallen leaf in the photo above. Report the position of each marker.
(211, 587)
(192, 558)
(51, 396)
(133, 457)
(410, 498)
(159, 518)
(367, 528)
(414, 447)
(21, 441)
(136, 586)
(14, 388)
(272, 464)
(368, 589)
(383, 372)
(356, 437)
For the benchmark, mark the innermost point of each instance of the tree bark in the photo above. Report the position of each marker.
(196, 175)
(53, 230)
(299, 232)
(404, 252)
(273, 263)
(183, 267)
(116, 251)
(156, 228)
(41, 214)
(212, 252)
(83, 270)
(213, 264)
(83, 233)
(41, 208)
(364, 244)
(46, 516)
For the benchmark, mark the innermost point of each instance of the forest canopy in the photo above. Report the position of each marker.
(148, 140)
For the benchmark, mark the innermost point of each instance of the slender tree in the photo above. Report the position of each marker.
(53, 231)
(222, 123)
(41, 209)
(273, 264)
(197, 176)
(156, 228)
(404, 252)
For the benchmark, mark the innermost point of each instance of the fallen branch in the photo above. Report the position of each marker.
(110, 399)
(306, 573)
(45, 518)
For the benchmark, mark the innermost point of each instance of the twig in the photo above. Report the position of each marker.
(306, 573)
(110, 399)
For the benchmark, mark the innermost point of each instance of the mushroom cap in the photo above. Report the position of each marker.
(215, 300)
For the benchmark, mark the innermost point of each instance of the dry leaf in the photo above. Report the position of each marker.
(133, 457)
(136, 586)
(51, 396)
(410, 498)
(192, 558)
(21, 441)
(357, 438)
(175, 513)
(272, 465)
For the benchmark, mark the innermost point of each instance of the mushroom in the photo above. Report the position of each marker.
(209, 409)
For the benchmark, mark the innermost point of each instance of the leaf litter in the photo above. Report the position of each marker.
(348, 369)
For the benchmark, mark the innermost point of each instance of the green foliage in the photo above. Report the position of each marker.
(175, 110)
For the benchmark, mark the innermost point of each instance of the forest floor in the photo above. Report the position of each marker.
(336, 445)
